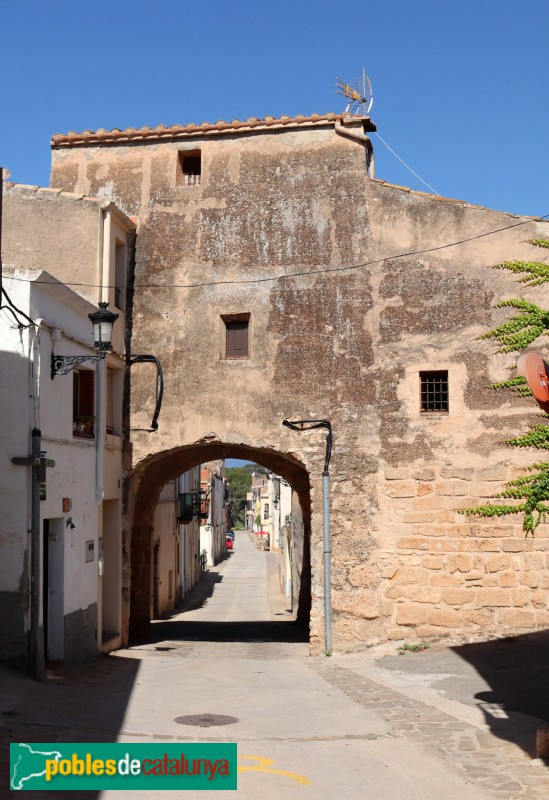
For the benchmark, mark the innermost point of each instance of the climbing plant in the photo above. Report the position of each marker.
(529, 493)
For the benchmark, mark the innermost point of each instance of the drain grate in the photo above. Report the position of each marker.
(206, 720)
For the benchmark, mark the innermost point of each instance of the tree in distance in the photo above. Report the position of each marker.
(240, 483)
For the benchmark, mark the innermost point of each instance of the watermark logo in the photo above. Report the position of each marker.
(43, 766)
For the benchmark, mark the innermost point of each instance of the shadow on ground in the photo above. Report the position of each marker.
(506, 679)
(174, 627)
(78, 703)
(516, 670)
(249, 631)
(198, 596)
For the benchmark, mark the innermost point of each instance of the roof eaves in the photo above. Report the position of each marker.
(162, 132)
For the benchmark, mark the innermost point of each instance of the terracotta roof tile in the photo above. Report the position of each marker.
(191, 129)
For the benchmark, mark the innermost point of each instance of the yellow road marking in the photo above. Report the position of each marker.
(265, 764)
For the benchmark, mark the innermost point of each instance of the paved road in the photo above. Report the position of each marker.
(306, 727)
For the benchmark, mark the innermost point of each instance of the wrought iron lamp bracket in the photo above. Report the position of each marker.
(62, 365)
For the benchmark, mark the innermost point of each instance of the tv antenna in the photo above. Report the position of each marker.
(359, 94)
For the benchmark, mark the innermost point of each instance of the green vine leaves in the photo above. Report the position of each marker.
(529, 494)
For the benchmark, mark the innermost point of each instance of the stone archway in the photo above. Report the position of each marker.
(143, 487)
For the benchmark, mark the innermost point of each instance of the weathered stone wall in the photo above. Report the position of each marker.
(345, 344)
(443, 574)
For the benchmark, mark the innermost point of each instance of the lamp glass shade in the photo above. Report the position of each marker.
(102, 321)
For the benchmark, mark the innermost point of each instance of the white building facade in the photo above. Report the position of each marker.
(61, 490)
(213, 529)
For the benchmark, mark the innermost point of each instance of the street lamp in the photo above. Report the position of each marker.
(102, 321)
(309, 425)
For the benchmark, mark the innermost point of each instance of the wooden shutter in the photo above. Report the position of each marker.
(237, 339)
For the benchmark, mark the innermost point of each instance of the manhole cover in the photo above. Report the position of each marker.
(206, 720)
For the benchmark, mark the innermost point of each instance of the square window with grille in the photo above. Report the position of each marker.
(434, 391)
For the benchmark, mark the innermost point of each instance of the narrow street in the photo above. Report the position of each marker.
(233, 665)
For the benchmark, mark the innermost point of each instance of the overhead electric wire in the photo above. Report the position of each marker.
(14, 310)
(300, 273)
(14, 315)
(396, 155)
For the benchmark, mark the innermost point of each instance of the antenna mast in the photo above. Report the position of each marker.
(358, 93)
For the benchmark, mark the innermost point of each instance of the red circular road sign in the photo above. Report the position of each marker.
(532, 367)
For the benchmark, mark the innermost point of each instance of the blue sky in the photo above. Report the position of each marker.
(460, 88)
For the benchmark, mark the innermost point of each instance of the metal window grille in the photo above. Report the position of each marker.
(434, 391)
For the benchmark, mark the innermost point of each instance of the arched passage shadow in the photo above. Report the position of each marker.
(143, 489)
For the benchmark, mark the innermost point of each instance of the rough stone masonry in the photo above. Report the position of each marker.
(352, 290)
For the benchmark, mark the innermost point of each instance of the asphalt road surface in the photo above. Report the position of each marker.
(233, 663)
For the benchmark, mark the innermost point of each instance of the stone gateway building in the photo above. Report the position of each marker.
(276, 278)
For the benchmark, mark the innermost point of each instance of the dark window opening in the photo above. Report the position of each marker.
(120, 270)
(189, 168)
(83, 403)
(109, 406)
(237, 340)
(434, 391)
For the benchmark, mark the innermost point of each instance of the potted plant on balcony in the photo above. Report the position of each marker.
(83, 425)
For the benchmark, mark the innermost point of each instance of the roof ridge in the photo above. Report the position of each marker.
(190, 129)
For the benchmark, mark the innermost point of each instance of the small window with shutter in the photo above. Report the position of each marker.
(109, 415)
(237, 335)
(83, 403)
